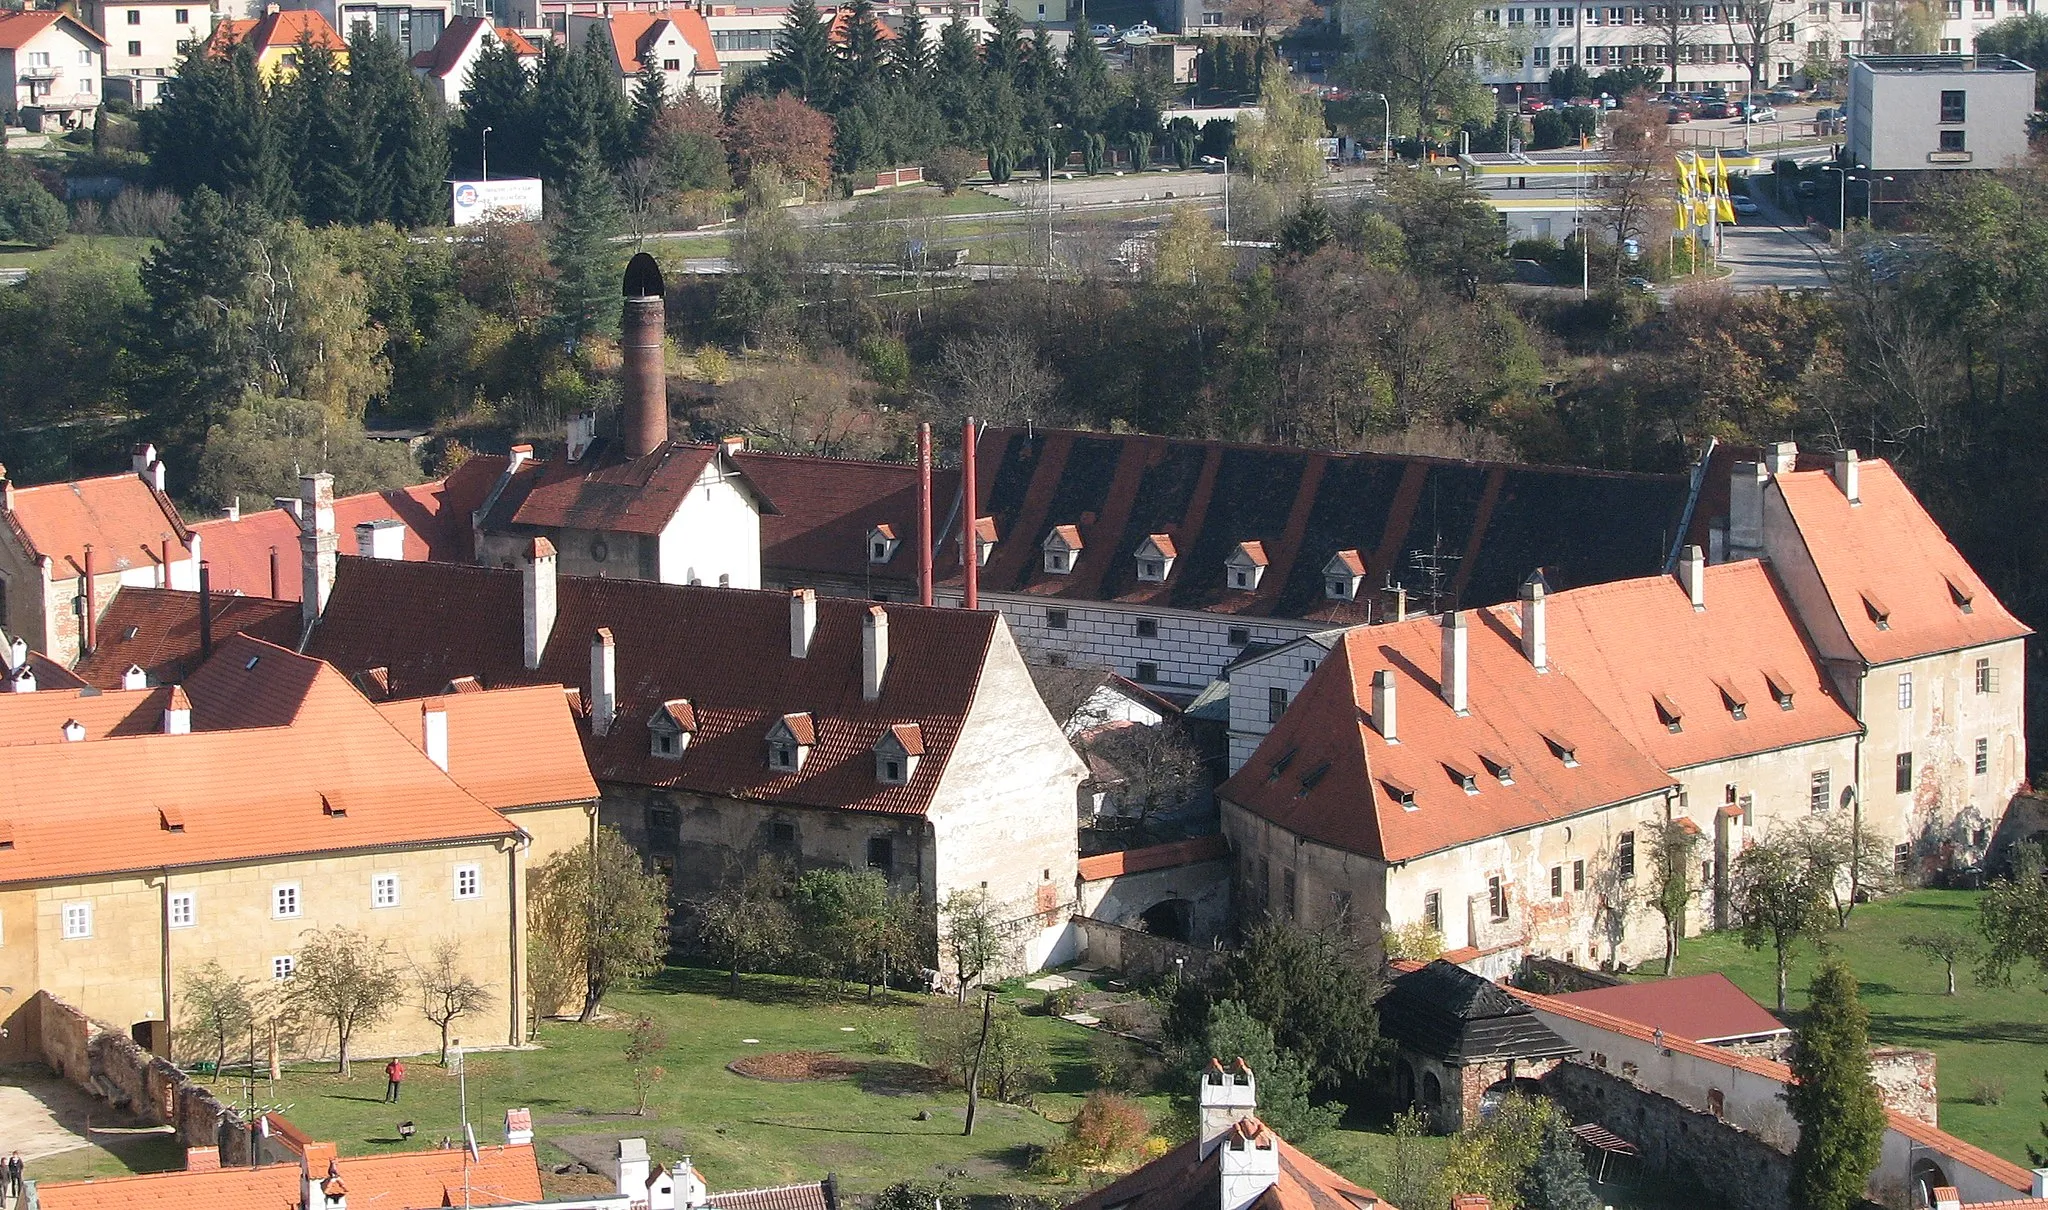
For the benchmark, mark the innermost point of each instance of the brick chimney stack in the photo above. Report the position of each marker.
(643, 328)
(316, 543)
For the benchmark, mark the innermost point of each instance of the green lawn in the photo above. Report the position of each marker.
(120, 247)
(112, 1155)
(1983, 1036)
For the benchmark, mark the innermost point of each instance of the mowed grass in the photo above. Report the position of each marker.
(1984, 1037)
(119, 247)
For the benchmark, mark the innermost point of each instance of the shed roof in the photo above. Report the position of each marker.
(1449, 1013)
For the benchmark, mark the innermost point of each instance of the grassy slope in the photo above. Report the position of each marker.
(120, 247)
(1983, 1033)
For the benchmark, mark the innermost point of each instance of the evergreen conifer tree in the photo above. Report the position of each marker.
(199, 353)
(1002, 54)
(956, 82)
(255, 165)
(910, 54)
(803, 62)
(498, 95)
(586, 269)
(1558, 1179)
(609, 114)
(861, 58)
(1088, 91)
(650, 97)
(382, 97)
(1835, 1101)
(332, 147)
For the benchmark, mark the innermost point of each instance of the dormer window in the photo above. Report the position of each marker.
(790, 740)
(897, 754)
(670, 729)
(1280, 765)
(1781, 689)
(1962, 597)
(1155, 558)
(1564, 750)
(1467, 780)
(1400, 792)
(1502, 770)
(1062, 547)
(1879, 615)
(1343, 575)
(1245, 567)
(1668, 713)
(984, 539)
(1731, 697)
(882, 543)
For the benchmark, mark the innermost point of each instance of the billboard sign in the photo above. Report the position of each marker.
(507, 200)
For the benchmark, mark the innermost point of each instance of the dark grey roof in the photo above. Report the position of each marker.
(1447, 1012)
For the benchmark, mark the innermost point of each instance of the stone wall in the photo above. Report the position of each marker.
(1739, 1169)
(1139, 954)
(1905, 1079)
(109, 1065)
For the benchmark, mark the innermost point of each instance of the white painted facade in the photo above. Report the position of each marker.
(715, 537)
(58, 70)
(1261, 688)
(143, 37)
(1913, 114)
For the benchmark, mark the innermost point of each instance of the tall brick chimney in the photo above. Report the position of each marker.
(316, 543)
(642, 327)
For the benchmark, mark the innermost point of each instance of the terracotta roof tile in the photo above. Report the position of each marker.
(726, 650)
(413, 1180)
(1325, 771)
(17, 28)
(157, 629)
(1888, 552)
(1183, 1179)
(639, 496)
(123, 519)
(1154, 857)
(828, 505)
(286, 28)
(630, 33)
(783, 1197)
(39, 717)
(509, 747)
(1700, 1008)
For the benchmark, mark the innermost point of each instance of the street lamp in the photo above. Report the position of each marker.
(1867, 198)
(1842, 201)
(487, 153)
(1225, 161)
(1386, 131)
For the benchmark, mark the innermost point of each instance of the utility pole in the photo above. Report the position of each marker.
(988, 1005)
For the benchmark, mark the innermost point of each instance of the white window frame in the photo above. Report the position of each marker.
(283, 967)
(77, 919)
(475, 875)
(379, 883)
(287, 901)
(1905, 691)
(184, 909)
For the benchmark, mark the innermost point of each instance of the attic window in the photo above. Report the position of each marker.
(1731, 697)
(670, 728)
(1155, 558)
(1280, 764)
(1466, 780)
(251, 665)
(1399, 792)
(897, 754)
(789, 742)
(1564, 750)
(170, 819)
(1499, 767)
(782, 755)
(882, 544)
(1342, 575)
(129, 635)
(6, 834)
(1963, 599)
(1245, 567)
(333, 809)
(1781, 689)
(1668, 713)
(1879, 615)
(1313, 778)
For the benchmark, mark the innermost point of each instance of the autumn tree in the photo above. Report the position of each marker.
(1157, 768)
(602, 913)
(1105, 1135)
(217, 1007)
(1670, 889)
(1269, 18)
(853, 924)
(1637, 198)
(974, 933)
(747, 920)
(784, 133)
(447, 991)
(1840, 1113)
(1279, 143)
(646, 1038)
(345, 981)
(1421, 53)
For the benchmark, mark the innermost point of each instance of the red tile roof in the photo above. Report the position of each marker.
(516, 42)
(509, 747)
(1887, 548)
(1183, 1180)
(810, 1196)
(39, 717)
(1496, 521)
(1154, 857)
(1699, 1008)
(17, 28)
(1326, 773)
(157, 629)
(838, 30)
(640, 496)
(412, 1180)
(828, 505)
(437, 519)
(286, 28)
(1640, 650)
(726, 650)
(633, 33)
(123, 519)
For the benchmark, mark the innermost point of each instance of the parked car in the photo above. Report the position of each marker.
(1744, 204)
(1675, 115)
(1827, 114)
(1101, 32)
(1535, 105)
(1762, 113)
(1807, 189)
(1716, 109)
(1783, 98)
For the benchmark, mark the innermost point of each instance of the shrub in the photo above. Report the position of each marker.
(1987, 1090)
(950, 167)
(1108, 1134)
(714, 365)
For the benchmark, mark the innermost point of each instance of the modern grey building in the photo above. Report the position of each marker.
(1926, 113)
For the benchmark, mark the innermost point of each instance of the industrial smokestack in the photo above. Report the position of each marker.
(643, 325)
(206, 606)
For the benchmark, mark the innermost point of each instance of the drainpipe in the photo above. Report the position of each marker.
(970, 566)
(164, 936)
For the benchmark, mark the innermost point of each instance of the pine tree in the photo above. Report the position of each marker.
(861, 57)
(199, 354)
(586, 267)
(956, 82)
(564, 113)
(609, 115)
(1841, 1118)
(255, 164)
(1088, 91)
(803, 61)
(419, 191)
(910, 55)
(331, 146)
(383, 97)
(1002, 54)
(1558, 1179)
(650, 97)
(498, 95)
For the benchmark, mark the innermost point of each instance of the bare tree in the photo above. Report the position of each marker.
(1672, 32)
(1267, 17)
(997, 375)
(645, 1040)
(1639, 176)
(344, 980)
(217, 1007)
(1158, 767)
(447, 993)
(1421, 52)
(1753, 28)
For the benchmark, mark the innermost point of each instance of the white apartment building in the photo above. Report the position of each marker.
(54, 63)
(144, 38)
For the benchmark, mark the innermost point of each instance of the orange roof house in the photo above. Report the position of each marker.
(276, 36)
(676, 41)
(410, 1180)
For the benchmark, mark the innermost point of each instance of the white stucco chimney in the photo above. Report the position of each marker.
(604, 682)
(1781, 458)
(1535, 624)
(874, 652)
(633, 1169)
(1946, 1198)
(178, 713)
(1846, 476)
(383, 539)
(803, 621)
(1383, 709)
(2040, 1182)
(134, 678)
(147, 465)
(316, 543)
(582, 431)
(22, 679)
(1251, 1164)
(1692, 574)
(1228, 1095)
(690, 1191)
(537, 595)
(1454, 663)
(434, 733)
(15, 653)
(519, 456)
(74, 731)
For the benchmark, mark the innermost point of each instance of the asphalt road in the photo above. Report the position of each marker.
(1772, 251)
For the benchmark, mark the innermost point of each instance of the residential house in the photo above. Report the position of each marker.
(56, 63)
(1263, 680)
(108, 532)
(1165, 559)
(1910, 115)
(143, 40)
(226, 819)
(728, 724)
(745, 34)
(415, 25)
(160, 636)
(275, 36)
(676, 41)
(445, 66)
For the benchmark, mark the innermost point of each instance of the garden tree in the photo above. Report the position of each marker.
(1420, 53)
(197, 330)
(217, 1007)
(1636, 203)
(1233, 1032)
(950, 167)
(1106, 1135)
(816, 406)
(1446, 229)
(1571, 81)
(803, 62)
(1556, 1177)
(1416, 942)
(1306, 987)
(1945, 946)
(1847, 859)
(1496, 1158)
(1673, 33)
(2014, 917)
(263, 443)
(783, 133)
(586, 287)
(66, 335)
(995, 374)
(1308, 229)
(499, 95)
(1269, 18)
(747, 921)
(973, 934)
(913, 1195)
(2023, 38)
(447, 991)
(1905, 27)
(684, 149)
(1833, 1098)
(345, 981)
(910, 53)
(1088, 91)
(29, 213)
(1013, 1063)
(1159, 769)
(1413, 1164)
(852, 924)
(599, 907)
(1776, 903)
(646, 1038)
(1673, 844)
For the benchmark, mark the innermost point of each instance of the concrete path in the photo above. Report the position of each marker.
(42, 1116)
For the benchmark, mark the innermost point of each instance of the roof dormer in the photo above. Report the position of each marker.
(882, 543)
(1155, 558)
(1062, 548)
(1245, 567)
(897, 754)
(790, 739)
(1343, 575)
(984, 539)
(670, 728)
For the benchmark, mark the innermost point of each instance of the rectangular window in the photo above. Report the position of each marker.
(284, 901)
(1276, 703)
(1905, 691)
(1565, 17)
(1148, 628)
(184, 910)
(1433, 911)
(1055, 619)
(1820, 791)
(134, 16)
(1625, 855)
(1516, 18)
(1212, 19)
(469, 882)
(1543, 18)
(1579, 875)
(671, 65)
(1987, 677)
(881, 853)
(1952, 46)
(383, 890)
(1287, 892)
(1983, 756)
(1539, 56)
(1240, 635)
(1496, 898)
(77, 921)
(281, 967)
(1147, 674)
(1902, 859)
(1557, 882)
(1902, 774)
(782, 834)
(183, 16)
(135, 50)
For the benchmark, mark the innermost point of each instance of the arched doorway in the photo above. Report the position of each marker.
(1927, 1177)
(1173, 919)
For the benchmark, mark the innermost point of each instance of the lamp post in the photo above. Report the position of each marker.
(1868, 198)
(487, 154)
(1386, 132)
(1842, 197)
(1225, 161)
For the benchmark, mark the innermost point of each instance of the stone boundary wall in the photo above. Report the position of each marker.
(1738, 1168)
(1135, 952)
(107, 1063)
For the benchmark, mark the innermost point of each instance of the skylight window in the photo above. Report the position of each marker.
(1963, 599)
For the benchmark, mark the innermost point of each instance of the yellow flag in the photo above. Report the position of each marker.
(1724, 207)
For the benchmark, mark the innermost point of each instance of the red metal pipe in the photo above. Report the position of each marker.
(924, 514)
(968, 562)
(167, 563)
(86, 619)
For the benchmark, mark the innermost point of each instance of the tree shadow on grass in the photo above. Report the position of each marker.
(1954, 1029)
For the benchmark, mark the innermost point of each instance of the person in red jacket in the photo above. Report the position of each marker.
(394, 1077)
